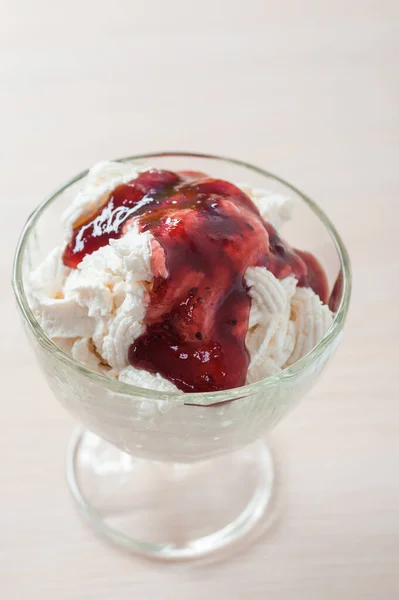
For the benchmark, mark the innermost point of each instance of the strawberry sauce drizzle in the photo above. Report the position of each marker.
(209, 232)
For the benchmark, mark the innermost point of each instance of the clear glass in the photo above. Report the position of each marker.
(168, 475)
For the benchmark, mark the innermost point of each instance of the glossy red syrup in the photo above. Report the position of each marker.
(207, 232)
(336, 294)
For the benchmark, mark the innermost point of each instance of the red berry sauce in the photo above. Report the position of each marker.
(206, 232)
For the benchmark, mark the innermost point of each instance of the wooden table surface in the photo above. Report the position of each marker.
(308, 90)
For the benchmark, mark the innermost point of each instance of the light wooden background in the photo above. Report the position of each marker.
(309, 90)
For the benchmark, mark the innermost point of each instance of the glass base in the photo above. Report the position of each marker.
(169, 510)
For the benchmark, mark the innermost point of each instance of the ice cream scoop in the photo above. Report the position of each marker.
(182, 276)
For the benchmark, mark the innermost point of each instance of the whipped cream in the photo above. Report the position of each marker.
(270, 339)
(96, 311)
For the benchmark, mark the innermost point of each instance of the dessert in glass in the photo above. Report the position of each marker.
(179, 305)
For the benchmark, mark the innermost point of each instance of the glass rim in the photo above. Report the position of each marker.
(193, 398)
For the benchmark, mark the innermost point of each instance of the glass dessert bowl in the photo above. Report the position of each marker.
(168, 474)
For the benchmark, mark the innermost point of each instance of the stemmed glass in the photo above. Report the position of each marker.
(168, 475)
